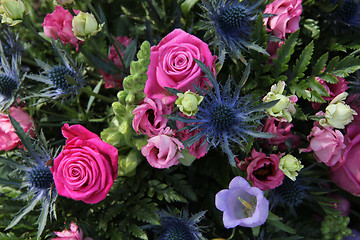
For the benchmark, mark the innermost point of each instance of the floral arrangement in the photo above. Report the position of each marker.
(180, 119)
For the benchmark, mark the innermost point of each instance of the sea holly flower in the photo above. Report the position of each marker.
(347, 13)
(188, 102)
(85, 25)
(64, 80)
(224, 116)
(35, 175)
(285, 105)
(290, 166)
(242, 204)
(180, 227)
(230, 24)
(337, 113)
(12, 11)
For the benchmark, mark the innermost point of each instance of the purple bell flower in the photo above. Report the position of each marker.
(242, 204)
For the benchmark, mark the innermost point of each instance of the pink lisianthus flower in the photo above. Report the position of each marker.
(163, 150)
(148, 117)
(287, 17)
(272, 48)
(327, 145)
(8, 138)
(346, 172)
(172, 65)
(58, 24)
(115, 80)
(86, 167)
(75, 233)
(263, 171)
(242, 204)
(197, 149)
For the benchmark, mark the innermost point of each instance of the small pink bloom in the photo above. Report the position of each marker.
(272, 48)
(163, 151)
(327, 144)
(58, 24)
(86, 168)
(115, 80)
(197, 149)
(287, 17)
(8, 138)
(281, 130)
(342, 204)
(263, 171)
(75, 233)
(172, 65)
(148, 117)
(346, 172)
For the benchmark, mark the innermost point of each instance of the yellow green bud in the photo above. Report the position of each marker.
(188, 102)
(290, 166)
(85, 25)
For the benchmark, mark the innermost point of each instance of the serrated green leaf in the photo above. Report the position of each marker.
(260, 33)
(303, 61)
(284, 54)
(346, 66)
(328, 77)
(332, 64)
(316, 86)
(316, 97)
(300, 89)
(320, 65)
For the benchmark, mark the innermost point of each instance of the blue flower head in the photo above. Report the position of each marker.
(179, 227)
(35, 175)
(64, 80)
(230, 23)
(348, 13)
(225, 117)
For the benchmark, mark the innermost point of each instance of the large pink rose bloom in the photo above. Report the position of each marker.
(115, 80)
(8, 138)
(58, 24)
(163, 150)
(346, 174)
(287, 17)
(75, 233)
(148, 117)
(86, 168)
(263, 171)
(172, 65)
(327, 144)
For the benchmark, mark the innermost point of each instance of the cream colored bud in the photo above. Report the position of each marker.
(85, 25)
(290, 166)
(188, 102)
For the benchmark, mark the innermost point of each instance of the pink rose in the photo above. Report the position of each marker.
(327, 144)
(75, 233)
(346, 172)
(281, 130)
(287, 17)
(163, 151)
(148, 117)
(8, 138)
(263, 171)
(58, 24)
(86, 168)
(115, 80)
(172, 65)
(197, 149)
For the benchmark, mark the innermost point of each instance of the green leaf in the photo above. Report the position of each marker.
(332, 64)
(320, 64)
(284, 54)
(316, 97)
(316, 86)
(260, 33)
(303, 61)
(173, 90)
(300, 89)
(328, 77)
(346, 66)
(92, 98)
(187, 5)
(130, 52)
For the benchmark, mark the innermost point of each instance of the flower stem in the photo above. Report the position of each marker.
(99, 96)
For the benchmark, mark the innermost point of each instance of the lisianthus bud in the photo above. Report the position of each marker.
(338, 114)
(188, 102)
(290, 166)
(285, 105)
(64, 2)
(84, 25)
(12, 11)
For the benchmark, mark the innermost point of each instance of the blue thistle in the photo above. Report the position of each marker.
(231, 25)
(348, 13)
(10, 43)
(64, 80)
(290, 193)
(224, 117)
(35, 175)
(179, 227)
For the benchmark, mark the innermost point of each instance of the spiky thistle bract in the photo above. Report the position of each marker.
(64, 80)
(348, 13)
(230, 24)
(225, 117)
(35, 176)
(182, 227)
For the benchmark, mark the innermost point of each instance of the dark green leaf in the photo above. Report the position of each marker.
(320, 64)
(303, 61)
(130, 52)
